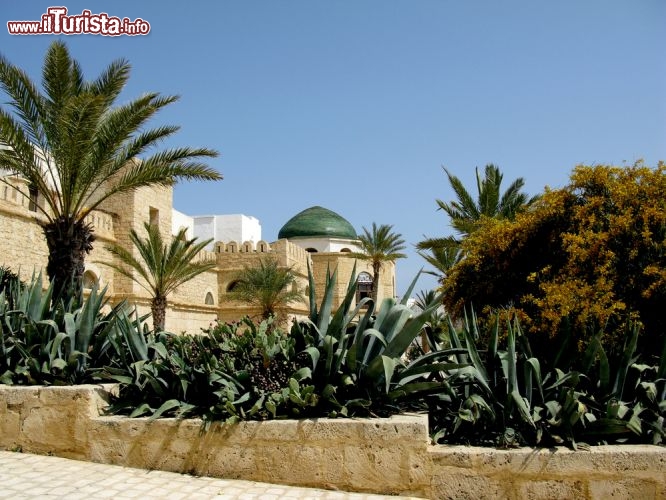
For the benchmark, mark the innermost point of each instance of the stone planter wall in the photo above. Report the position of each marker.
(366, 455)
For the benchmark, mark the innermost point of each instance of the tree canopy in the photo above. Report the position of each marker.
(77, 146)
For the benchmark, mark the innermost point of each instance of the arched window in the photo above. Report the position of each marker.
(311, 250)
(345, 250)
(89, 280)
(231, 286)
(209, 300)
(364, 286)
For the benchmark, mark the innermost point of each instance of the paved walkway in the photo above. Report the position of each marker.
(24, 476)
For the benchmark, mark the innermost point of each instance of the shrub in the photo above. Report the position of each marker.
(45, 344)
(508, 397)
(332, 364)
(593, 252)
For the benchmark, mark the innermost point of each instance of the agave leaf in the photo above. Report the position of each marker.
(134, 338)
(607, 427)
(166, 406)
(160, 349)
(327, 304)
(415, 390)
(533, 371)
(410, 288)
(340, 318)
(627, 359)
(314, 354)
(436, 355)
(417, 371)
(356, 350)
(523, 408)
(650, 389)
(395, 321)
(564, 378)
(142, 409)
(590, 354)
(474, 355)
(402, 338)
(59, 364)
(492, 349)
(471, 372)
(389, 367)
(604, 371)
(313, 298)
(661, 371)
(634, 424)
(55, 346)
(70, 328)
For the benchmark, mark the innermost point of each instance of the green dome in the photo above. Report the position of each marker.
(317, 222)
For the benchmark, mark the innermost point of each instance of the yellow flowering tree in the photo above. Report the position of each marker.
(593, 252)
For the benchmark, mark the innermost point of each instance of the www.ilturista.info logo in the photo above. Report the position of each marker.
(57, 22)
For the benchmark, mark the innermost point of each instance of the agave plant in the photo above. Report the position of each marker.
(41, 344)
(357, 352)
(501, 396)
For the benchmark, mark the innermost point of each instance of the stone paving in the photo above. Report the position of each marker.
(24, 476)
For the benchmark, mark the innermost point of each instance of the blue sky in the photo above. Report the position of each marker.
(357, 105)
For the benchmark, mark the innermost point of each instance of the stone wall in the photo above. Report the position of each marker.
(367, 455)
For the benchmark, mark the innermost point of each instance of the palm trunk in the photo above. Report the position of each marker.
(68, 242)
(376, 267)
(158, 308)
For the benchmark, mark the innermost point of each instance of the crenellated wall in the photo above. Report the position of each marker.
(196, 303)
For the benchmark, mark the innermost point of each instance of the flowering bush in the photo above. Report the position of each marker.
(592, 253)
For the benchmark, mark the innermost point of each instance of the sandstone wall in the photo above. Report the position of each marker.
(22, 246)
(366, 455)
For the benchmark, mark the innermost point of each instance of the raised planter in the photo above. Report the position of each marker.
(366, 455)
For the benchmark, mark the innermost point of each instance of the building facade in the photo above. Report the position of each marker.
(316, 237)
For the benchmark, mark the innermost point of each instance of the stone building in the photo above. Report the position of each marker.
(315, 236)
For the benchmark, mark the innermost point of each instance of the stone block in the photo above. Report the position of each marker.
(326, 430)
(397, 428)
(454, 485)
(623, 488)
(552, 490)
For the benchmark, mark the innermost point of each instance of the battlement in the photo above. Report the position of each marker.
(246, 247)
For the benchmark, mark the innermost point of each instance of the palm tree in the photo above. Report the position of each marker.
(162, 268)
(465, 213)
(432, 335)
(379, 246)
(268, 287)
(76, 147)
(442, 255)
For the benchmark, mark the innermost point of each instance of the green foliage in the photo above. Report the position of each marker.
(356, 353)
(9, 280)
(41, 344)
(467, 215)
(234, 371)
(267, 286)
(343, 362)
(162, 268)
(507, 397)
(379, 246)
(77, 147)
